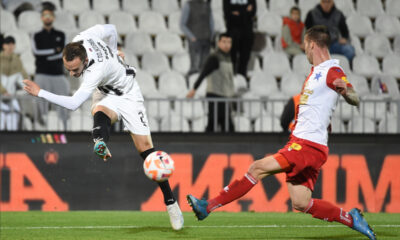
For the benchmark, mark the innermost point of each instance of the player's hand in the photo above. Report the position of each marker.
(31, 87)
(191, 93)
(340, 86)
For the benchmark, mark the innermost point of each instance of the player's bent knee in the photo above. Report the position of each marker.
(299, 205)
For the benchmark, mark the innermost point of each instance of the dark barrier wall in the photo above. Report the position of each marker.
(362, 171)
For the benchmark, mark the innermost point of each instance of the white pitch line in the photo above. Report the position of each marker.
(228, 226)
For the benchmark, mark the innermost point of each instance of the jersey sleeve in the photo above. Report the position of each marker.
(106, 32)
(91, 79)
(335, 73)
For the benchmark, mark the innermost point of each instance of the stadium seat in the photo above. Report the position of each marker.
(219, 22)
(172, 84)
(359, 25)
(390, 65)
(157, 107)
(201, 91)
(22, 39)
(360, 84)
(199, 124)
(216, 5)
(356, 43)
(278, 43)
(276, 63)
(7, 22)
(131, 60)
(65, 21)
(374, 107)
(301, 65)
(28, 61)
(56, 4)
(147, 84)
(189, 109)
(89, 19)
(390, 124)
(267, 124)
(80, 121)
(263, 84)
(377, 45)
(281, 7)
(254, 64)
(343, 62)
(168, 43)
(76, 6)
(105, 6)
(393, 7)
(337, 125)
(392, 87)
(155, 63)
(396, 44)
(69, 35)
(275, 107)
(135, 7)
(345, 111)
(366, 65)
(181, 62)
(138, 43)
(152, 23)
(292, 83)
(261, 7)
(369, 8)
(305, 6)
(361, 125)
(240, 84)
(270, 23)
(123, 21)
(153, 124)
(54, 123)
(252, 107)
(174, 123)
(242, 124)
(174, 23)
(165, 7)
(30, 21)
(387, 25)
(346, 6)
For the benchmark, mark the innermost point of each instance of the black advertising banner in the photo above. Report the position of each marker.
(59, 172)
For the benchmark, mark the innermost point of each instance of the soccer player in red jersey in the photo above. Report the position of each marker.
(302, 157)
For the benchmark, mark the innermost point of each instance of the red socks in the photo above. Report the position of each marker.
(232, 192)
(327, 211)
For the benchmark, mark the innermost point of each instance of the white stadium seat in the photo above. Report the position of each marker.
(201, 91)
(56, 4)
(346, 6)
(370, 8)
(152, 22)
(359, 25)
(157, 107)
(270, 22)
(153, 124)
(165, 7)
(131, 59)
(276, 63)
(305, 6)
(343, 62)
(123, 21)
(169, 43)
(366, 65)
(181, 62)
(390, 124)
(356, 43)
(391, 85)
(105, 6)
(7, 22)
(219, 22)
(292, 83)
(393, 7)
(242, 124)
(361, 125)
(30, 21)
(174, 123)
(76, 6)
(267, 124)
(65, 21)
(263, 84)
(199, 124)
(89, 19)
(147, 84)
(387, 25)
(240, 83)
(139, 43)
(155, 63)
(172, 84)
(252, 108)
(281, 7)
(174, 22)
(377, 45)
(261, 7)
(360, 84)
(345, 111)
(28, 61)
(373, 107)
(22, 40)
(135, 7)
(301, 65)
(189, 109)
(390, 65)
(216, 5)
(337, 125)
(396, 44)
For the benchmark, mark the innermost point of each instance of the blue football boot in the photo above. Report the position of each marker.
(359, 224)
(199, 207)
(101, 149)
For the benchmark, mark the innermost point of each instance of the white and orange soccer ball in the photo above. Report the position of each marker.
(158, 166)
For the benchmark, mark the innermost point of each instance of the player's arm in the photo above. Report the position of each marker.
(347, 91)
(106, 32)
(69, 102)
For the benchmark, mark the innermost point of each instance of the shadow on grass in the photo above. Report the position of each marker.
(155, 229)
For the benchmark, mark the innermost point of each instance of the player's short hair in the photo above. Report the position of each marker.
(224, 35)
(73, 50)
(295, 9)
(320, 35)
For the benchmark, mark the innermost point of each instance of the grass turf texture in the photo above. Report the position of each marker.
(99, 225)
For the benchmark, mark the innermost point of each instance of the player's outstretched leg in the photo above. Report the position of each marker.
(173, 209)
(199, 207)
(360, 224)
(101, 133)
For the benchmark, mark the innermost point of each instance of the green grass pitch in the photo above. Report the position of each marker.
(98, 225)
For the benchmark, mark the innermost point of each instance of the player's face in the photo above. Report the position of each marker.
(308, 45)
(225, 44)
(47, 18)
(74, 67)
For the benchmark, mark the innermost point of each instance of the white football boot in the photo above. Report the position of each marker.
(175, 216)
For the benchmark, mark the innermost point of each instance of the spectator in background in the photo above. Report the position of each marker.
(289, 113)
(218, 69)
(239, 17)
(293, 33)
(18, 6)
(12, 73)
(326, 13)
(197, 24)
(47, 46)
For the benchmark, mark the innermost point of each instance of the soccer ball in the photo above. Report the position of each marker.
(158, 166)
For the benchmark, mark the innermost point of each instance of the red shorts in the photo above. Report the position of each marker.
(302, 159)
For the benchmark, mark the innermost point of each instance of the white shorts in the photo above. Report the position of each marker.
(130, 110)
